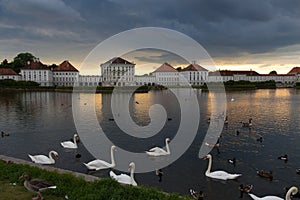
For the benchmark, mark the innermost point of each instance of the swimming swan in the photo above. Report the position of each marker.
(157, 151)
(101, 164)
(124, 178)
(292, 190)
(42, 159)
(69, 144)
(222, 175)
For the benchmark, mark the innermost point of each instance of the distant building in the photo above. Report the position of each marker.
(65, 74)
(166, 75)
(37, 72)
(90, 80)
(296, 72)
(252, 76)
(146, 79)
(118, 72)
(195, 74)
(7, 73)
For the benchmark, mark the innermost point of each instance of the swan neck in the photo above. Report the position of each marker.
(167, 146)
(50, 155)
(291, 191)
(74, 140)
(209, 165)
(112, 157)
(132, 173)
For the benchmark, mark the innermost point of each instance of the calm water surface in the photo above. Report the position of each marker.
(39, 121)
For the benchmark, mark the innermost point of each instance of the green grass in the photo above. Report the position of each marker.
(73, 187)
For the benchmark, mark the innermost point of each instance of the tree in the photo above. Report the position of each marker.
(273, 72)
(21, 60)
(4, 64)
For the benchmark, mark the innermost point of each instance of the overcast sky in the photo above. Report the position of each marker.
(238, 34)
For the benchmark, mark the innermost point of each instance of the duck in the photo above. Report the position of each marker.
(298, 171)
(247, 124)
(263, 174)
(197, 195)
(69, 144)
(232, 161)
(214, 145)
(42, 159)
(157, 151)
(284, 158)
(245, 189)
(36, 185)
(292, 191)
(137, 102)
(222, 175)
(3, 134)
(101, 164)
(208, 120)
(260, 139)
(124, 178)
(226, 120)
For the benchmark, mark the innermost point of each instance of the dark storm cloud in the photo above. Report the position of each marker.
(224, 28)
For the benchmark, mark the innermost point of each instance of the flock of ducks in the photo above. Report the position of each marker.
(223, 175)
(38, 185)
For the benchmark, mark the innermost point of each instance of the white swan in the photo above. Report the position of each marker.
(42, 159)
(157, 151)
(218, 174)
(101, 164)
(69, 144)
(293, 190)
(124, 178)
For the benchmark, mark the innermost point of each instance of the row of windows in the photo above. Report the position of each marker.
(72, 79)
(65, 73)
(35, 72)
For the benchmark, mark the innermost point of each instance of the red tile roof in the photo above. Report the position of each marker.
(7, 71)
(65, 66)
(35, 65)
(231, 73)
(194, 67)
(118, 60)
(166, 67)
(295, 70)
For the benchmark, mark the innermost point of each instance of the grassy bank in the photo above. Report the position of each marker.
(73, 187)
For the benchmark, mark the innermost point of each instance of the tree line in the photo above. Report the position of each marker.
(20, 61)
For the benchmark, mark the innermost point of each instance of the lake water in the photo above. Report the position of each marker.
(39, 121)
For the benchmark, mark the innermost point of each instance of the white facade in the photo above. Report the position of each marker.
(145, 80)
(89, 80)
(65, 78)
(7, 73)
(118, 72)
(43, 77)
(65, 74)
(166, 78)
(224, 76)
(37, 72)
(195, 74)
